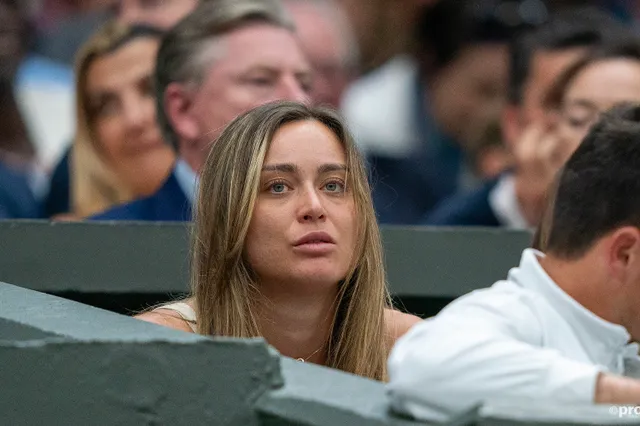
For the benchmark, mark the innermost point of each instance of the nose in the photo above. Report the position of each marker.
(292, 90)
(311, 206)
(136, 112)
(127, 12)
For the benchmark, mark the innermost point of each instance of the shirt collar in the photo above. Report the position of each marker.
(504, 203)
(599, 337)
(187, 179)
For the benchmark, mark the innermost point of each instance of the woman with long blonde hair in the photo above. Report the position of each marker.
(286, 244)
(118, 153)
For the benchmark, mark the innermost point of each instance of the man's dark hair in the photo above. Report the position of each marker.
(599, 187)
(621, 48)
(568, 28)
(449, 26)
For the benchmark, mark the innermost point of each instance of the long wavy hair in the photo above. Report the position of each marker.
(94, 184)
(223, 283)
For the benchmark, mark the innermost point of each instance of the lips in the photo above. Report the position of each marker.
(315, 238)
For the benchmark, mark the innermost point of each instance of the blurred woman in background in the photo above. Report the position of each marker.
(118, 153)
(608, 76)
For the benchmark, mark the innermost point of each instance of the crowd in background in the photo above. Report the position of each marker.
(462, 108)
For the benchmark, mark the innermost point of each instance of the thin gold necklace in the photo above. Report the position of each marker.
(314, 352)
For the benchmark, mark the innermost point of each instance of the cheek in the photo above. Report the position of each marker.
(110, 138)
(571, 138)
(349, 227)
(264, 236)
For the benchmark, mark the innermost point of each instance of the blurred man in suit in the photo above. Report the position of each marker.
(223, 59)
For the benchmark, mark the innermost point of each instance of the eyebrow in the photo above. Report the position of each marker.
(292, 168)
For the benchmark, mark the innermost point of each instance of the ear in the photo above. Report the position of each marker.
(178, 105)
(511, 125)
(624, 252)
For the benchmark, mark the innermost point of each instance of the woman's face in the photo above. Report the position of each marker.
(594, 90)
(120, 102)
(303, 229)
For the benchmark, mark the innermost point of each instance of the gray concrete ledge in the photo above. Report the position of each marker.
(63, 363)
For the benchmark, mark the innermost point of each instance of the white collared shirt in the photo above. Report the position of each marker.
(187, 179)
(504, 203)
(523, 338)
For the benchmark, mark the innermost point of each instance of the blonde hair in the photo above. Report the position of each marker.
(223, 282)
(94, 185)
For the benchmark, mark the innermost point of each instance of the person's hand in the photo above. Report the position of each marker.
(611, 389)
(538, 156)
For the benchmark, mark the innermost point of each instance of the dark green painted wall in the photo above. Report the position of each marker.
(124, 267)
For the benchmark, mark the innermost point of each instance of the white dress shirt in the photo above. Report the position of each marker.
(504, 203)
(187, 179)
(523, 338)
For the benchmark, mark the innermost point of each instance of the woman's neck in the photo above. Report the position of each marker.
(298, 326)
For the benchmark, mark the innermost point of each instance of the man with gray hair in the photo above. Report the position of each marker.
(226, 57)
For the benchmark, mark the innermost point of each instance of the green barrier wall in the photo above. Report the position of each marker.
(124, 267)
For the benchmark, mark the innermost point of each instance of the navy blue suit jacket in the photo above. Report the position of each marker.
(16, 198)
(469, 209)
(168, 204)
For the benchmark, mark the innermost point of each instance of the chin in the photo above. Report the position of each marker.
(319, 276)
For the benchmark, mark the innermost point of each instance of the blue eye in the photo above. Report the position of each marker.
(278, 188)
(334, 187)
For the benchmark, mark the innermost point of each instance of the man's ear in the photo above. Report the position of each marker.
(624, 251)
(178, 105)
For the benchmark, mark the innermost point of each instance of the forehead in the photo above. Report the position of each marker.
(132, 59)
(257, 45)
(605, 83)
(545, 68)
(315, 28)
(307, 142)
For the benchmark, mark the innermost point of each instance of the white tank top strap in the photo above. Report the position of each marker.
(185, 311)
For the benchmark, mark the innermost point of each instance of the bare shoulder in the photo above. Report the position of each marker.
(398, 323)
(166, 318)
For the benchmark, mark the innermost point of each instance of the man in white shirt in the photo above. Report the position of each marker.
(559, 328)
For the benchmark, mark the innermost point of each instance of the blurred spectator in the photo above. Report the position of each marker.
(225, 58)
(489, 157)
(14, 135)
(36, 94)
(16, 150)
(415, 119)
(118, 152)
(537, 59)
(16, 197)
(330, 47)
(562, 328)
(158, 13)
(48, 14)
(63, 26)
(608, 76)
(383, 28)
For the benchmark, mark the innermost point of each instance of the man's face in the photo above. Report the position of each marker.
(324, 45)
(253, 65)
(12, 40)
(545, 68)
(468, 94)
